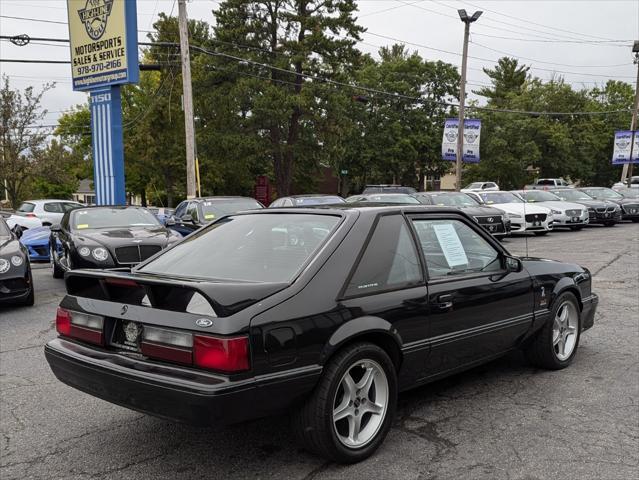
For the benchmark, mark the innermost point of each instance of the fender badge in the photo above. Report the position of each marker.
(204, 322)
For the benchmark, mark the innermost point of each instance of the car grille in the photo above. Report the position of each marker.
(536, 217)
(494, 219)
(136, 253)
(606, 209)
(573, 213)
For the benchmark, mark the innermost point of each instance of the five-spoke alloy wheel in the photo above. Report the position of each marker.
(352, 408)
(555, 345)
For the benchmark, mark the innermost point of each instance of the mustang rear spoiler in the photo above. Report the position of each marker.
(167, 293)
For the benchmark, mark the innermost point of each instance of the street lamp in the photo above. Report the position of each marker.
(462, 92)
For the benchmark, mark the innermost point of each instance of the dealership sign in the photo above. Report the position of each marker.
(622, 147)
(103, 39)
(470, 149)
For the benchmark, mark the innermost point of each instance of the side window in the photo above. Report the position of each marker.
(451, 247)
(54, 207)
(276, 203)
(181, 209)
(192, 210)
(288, 203)
(390, 260)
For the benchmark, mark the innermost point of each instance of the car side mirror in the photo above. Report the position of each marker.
(513, 264)
(56, 228)
(17, 231)
(187, 218)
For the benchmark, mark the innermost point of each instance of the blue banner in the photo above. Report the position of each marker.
(472, 133)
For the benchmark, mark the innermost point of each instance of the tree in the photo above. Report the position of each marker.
(58, 172)
(290, 39)
(20, 142)
(508, 77)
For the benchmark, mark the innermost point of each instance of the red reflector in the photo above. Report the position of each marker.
(30, 215)
(86, 334)
(224, 354)
(165, 352)
(63, 322)
(122, 282)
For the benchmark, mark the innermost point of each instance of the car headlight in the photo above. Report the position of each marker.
(513, 215)
(84, 251)
(17, 260)
(556, 212)
(100, 254)
(4, 265)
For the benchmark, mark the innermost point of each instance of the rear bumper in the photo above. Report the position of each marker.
(588, 311)
(176, 393)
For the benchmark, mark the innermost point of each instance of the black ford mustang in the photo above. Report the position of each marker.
(16, 283)
(325, 312)
(106, 237)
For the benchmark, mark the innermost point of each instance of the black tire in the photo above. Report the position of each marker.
(541, 351)
(541, 234)
(635, 220)
(58, 272)
(30, 300)
(313, 422)
(576, 228)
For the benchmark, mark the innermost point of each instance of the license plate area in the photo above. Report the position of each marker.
(575, 219)
(127, 335)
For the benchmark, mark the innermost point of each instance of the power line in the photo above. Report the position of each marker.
(601, 43)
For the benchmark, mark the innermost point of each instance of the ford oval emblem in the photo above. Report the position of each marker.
(204, 322)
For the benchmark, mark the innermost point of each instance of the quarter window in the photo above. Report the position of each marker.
(53, 207)
(390, 260)
(451, 247)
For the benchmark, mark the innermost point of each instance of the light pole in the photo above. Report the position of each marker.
(627, 168)
(462, 93)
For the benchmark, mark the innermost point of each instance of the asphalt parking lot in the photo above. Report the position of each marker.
(504, 420)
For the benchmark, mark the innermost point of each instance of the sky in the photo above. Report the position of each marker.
(585, 41)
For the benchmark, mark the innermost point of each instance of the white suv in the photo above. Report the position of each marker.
(49, 212)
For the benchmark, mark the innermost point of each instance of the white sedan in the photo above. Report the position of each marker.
(50, 212)
(481, 187)
(523, 216)
(565, 214)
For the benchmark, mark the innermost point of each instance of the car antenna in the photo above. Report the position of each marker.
(525, 233)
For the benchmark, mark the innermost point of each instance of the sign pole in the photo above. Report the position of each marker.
(108, 146)
(462, 100)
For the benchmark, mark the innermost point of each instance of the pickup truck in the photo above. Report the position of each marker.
(548, 183)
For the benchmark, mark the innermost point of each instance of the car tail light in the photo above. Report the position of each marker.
(224, 354)
(63, 322)
(82, 326)
(168, 345)
(30, 215)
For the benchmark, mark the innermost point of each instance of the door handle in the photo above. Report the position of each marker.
(444, 301)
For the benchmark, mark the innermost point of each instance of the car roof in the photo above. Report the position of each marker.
(356, 209)
(49, 200)
(440, 192)
(220, 198)
(306, 195)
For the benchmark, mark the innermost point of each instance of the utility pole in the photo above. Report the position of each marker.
(627, 167)
(189, 126)
(462, 95)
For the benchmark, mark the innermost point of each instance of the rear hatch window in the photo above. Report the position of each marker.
(251, 248)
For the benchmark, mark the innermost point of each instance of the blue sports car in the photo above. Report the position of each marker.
(37, 242)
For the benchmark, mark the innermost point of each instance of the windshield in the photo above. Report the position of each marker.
(571, 194)
(629, 192)
(252, 248)
(112, 218)
(453, 200)
(213, 209)
(532, 196)
(4, 228)
(322, 200)
(499, 197)
(602, 192)
(385, 198)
